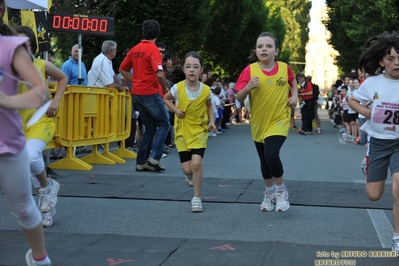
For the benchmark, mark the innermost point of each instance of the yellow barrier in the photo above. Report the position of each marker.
(124, 119)
(87, 116)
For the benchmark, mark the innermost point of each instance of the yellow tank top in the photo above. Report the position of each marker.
(191, 132)
(27, 113)
(270, 113)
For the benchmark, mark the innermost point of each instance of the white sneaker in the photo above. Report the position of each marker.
(196, 205)
(47, 218)
(48, 197)
(189, 179)
(268, 202)
(210, 134)
(282, 203)
(395, 245)
(29, 259)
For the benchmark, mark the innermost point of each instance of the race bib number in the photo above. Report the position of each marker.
(385, 117)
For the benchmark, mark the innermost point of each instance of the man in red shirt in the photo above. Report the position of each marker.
(307, 105)
(146, 61)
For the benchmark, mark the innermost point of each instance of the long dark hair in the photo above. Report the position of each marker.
(374, 51)
(252, 56)
(4, 28)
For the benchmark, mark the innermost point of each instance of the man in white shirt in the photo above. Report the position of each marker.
(102, 73)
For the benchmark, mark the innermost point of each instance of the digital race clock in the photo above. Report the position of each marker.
(81, 23)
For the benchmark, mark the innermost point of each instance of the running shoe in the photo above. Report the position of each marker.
(395, 246)
(282, 203)
(47, 218)
(189, 179)
(268, 202)
(29, 259)
(48, 196)
(196, 205)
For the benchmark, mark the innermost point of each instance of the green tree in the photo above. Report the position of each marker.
(233, 29)
(295, 15)
(352, 23)
(224, 32)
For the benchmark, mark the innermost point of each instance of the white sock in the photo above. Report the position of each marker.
(280, 187)
(270, 190)
(44, 262)
(48, 185)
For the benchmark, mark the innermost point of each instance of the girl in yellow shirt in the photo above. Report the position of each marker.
(41, 133)
(268, 83)
(193, 118)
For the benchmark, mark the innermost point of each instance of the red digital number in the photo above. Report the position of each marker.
(66, 22)
(75, 23)
(94, 24)
(85, 24)
(103, 25)
(56, 22)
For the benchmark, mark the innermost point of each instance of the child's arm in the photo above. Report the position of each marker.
(33, 98)
(294, 94)
(211, 126)
(168, 100)
(62, 79)
(355, 105)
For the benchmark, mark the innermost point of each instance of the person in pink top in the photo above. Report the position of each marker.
(16, 66)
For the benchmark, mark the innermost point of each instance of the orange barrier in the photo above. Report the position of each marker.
(92, 116)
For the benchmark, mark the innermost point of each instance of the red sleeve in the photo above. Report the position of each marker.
(243, 79)
(290, 75)
(126, 64)
(155, 59)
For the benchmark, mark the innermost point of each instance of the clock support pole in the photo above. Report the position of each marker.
(80, 79)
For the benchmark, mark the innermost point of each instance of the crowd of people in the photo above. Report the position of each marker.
(342, 116)
(178, 104)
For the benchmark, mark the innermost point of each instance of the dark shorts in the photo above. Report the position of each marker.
(345, 116)
(185, 156)
(353, 117)
(382, 153)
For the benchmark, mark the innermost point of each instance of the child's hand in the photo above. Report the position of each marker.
(180, 114)
(212, 127)
(254, 82)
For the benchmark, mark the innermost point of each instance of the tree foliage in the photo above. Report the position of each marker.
(353, 22)
(295, 15)
(224, 32)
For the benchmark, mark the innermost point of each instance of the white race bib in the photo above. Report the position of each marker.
(385, 117)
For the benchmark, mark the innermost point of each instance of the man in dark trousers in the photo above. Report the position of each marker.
(307, 105)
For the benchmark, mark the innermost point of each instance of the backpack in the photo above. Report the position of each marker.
(316, 91)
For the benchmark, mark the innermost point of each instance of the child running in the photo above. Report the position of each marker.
(381, 60)
(41, 133)
(16, 63)
(268, 82)
(193, 118)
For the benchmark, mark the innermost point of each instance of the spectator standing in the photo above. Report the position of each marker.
(101, 73)
(71, 68)
(146, 61)
(307, 105)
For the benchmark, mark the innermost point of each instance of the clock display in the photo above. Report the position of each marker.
(81, 24)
